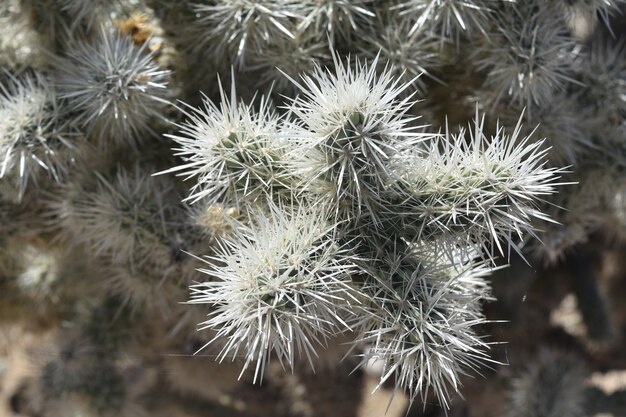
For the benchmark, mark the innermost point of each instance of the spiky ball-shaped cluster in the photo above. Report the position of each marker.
(338, 18)
(448, 18)
(33, 137)
(603, 74)
(409, 56)
(238, 27)
(478, 189)
(423, 313)
(114, 87)
(283, 287)
(115, 215)
(134, 224)
(348, 125)
(533, 56)
(235, 152)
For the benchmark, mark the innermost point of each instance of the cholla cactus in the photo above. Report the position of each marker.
(348, 126)
(33, 135)
(337, 18)
(559, 126)
(324, 194)
(234, 28)
(533, 57)
(410, 56)
(283, 287)
(114, 87)
(236, 153)
(448, 17)
(476, 189)
(604, 92)
(423, 314)
(282, 284)
(115, 216)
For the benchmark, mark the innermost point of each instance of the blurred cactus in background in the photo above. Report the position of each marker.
(278, 207)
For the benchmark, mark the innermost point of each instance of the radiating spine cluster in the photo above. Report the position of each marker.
(33, 136)
(114, 87)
